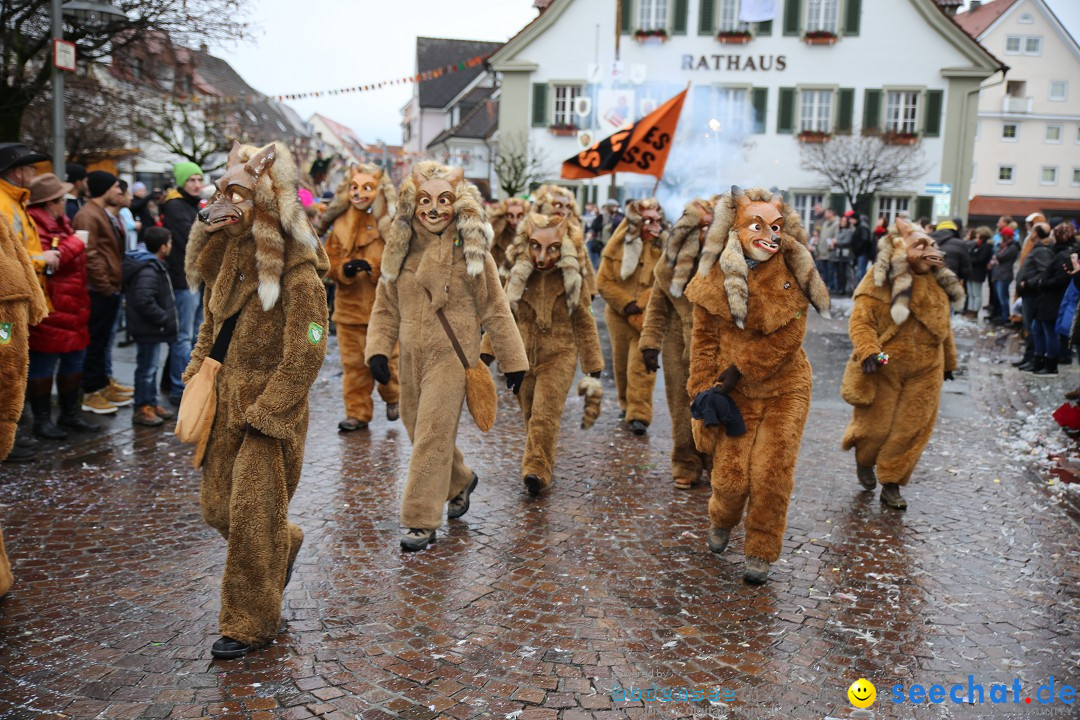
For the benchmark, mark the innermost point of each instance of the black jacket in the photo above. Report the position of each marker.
(957, 258)
(862, 244)
(980, 256)
(149, 301)
(1006, 257)
(1031, 272)
(1052, 284)
(178, 214)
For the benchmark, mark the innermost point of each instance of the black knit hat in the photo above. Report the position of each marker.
(75, 172)
(100, 182)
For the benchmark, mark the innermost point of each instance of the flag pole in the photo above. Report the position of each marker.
(658, 179)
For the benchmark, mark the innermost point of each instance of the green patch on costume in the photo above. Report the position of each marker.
(5, 333)
(315, 333)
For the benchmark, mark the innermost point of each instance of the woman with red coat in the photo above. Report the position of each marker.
(62, 337)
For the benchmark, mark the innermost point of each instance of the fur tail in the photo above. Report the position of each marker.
(593, 392)
(480, 396)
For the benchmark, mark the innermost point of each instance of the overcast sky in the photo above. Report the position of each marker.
(339, 43)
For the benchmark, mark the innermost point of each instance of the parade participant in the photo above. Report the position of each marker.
(557, 327)
(439, 286)
(261, 266)
(749, 322)
(625, 280)
(22, 304)
(505, 216)
(667, 329)
(557, 200)
(903, 352)
(355, 248)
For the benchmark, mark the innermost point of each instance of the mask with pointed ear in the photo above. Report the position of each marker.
(923, 254)
(362, 189)
(650, 224)
(233, 206)
(758, 224)
(545, 244)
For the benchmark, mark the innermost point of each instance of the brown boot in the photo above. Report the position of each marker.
(867, 476)
(890, 495)
(164, 413)
(756, 571)
(145, 415)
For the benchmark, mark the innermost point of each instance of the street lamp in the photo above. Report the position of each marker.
(97, 15)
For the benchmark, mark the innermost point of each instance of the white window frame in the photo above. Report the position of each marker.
(821, 103)
(652, 14)
(1057, 140)
(1038, 50)
(1012, 175)
(727, 16)
(1019, 44)
(562, 108)
(903, 118)
(1076, 177)
(730, 106)
(1064, 91)
(1016, 132)
(822, 16)
(804, 205)
(892, 205)
(1042, 175)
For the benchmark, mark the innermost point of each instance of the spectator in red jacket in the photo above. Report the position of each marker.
(62, 337)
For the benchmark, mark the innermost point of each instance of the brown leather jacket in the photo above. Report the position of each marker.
(104, 251)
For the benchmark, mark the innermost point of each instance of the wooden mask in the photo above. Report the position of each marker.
(233, 206)
(435, 200)
(758, 225)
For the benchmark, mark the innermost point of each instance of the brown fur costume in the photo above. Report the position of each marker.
(625, 275)
(557, 327)
(669, 320)
(504, 231)
(272, 277)
(460, 275)
(906, 316)
(754, 320)
(22, 304)
(358, 235)
(546, 198)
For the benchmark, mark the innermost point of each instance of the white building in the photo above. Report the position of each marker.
(1027, 149)
(832, 66)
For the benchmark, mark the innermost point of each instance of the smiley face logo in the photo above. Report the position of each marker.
(862, 693)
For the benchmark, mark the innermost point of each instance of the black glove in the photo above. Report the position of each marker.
(631, 309)
(354, 266)
(715, 408)
(380, 369)
(949, 375)
(487, 359)
(595, 374)
(652, 359)
(870, 365)
(728, 378)
(514, 380)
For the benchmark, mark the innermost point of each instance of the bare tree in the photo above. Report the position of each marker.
(86, 102)
(25, 41)
(193, 133)
(518, 164)
(861, 165)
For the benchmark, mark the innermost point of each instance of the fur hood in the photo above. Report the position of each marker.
(383, 207)
(891, 268)
(631, 236)
(722, 244)
(280, 226)
(470, 225)
(545, 197)
(497, 214)
(521, 264)
(683, 246)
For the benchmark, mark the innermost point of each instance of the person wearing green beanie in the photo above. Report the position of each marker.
(183, 171)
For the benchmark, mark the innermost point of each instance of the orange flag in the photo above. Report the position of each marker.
(642, 148)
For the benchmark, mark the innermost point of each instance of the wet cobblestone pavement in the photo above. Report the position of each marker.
(528, 609)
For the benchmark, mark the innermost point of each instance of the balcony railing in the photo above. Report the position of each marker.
(1016, 104)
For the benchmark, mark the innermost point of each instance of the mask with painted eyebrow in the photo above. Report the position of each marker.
(435, 205)
(545, 247)
(759, 225)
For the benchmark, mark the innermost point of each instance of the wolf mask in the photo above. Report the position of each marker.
(233, 206)
(905, 251)
(560, 249)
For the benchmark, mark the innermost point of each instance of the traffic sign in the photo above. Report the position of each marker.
(64, 55)
(937, 189)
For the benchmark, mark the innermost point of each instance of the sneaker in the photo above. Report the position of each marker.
(756, 571)
(97, 403)
(145, 415)
(416, 539)
(122, 389)
(164, 413)
(116, 397)
(392, 412)
(459, 504)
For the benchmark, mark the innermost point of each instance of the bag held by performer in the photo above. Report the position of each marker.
(480, 394)
(198, 406)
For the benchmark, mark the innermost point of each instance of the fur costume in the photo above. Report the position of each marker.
(750, 315)
(557, 327)
(268, 269)
(905, 315)
(668, 327)
(557, 200)
(504, 229)
(423, 272)
(22, 304)
(625, 276)
(357, 235)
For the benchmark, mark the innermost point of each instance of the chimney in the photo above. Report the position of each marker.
(203, 48)
(975, 5)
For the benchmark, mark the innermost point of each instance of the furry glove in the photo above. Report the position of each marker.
(380, 369)
(514, 380)
(714, 407)
(354, 266)
(651, 359)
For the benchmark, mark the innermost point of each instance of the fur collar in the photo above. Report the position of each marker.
(776, 301)
(632, 243)
(521, 265)
(470, 223)
(683, 246)
(281, 227)
(722, 244)
(891, 269)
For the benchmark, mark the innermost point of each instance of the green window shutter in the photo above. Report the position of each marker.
(845, 111)
(682, 11)
(932, 119)
(706, 17)
(627, 16)
(764, 29)
(838, 202)
(872, 110)
(792, 17)
(785, 116)
(924, 207)
(540, 105)
(760, 98)
(852, 16)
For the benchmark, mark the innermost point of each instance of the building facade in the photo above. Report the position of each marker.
(816, 70)
(1027, 148)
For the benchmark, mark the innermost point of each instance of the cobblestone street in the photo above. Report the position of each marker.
(533, 609)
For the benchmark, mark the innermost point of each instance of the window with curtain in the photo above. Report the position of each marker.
(902, 112)
(727, 17)
(804, 205)
(890, 207)
(815, 111)
(563, 109)
(822, 16)
(652, 14)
